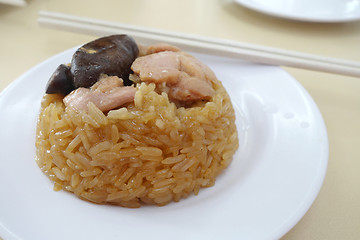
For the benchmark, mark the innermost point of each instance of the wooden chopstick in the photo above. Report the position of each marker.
(194, 43)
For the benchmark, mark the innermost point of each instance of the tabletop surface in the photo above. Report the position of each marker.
(335, 214)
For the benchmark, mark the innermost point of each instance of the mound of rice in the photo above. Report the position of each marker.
(148, 152)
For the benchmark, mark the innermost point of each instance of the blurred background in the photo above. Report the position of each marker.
(335, 214)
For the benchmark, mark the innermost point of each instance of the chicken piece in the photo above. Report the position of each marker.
(159, 47)
(190, 89)
(106, 83)
(186, 78)
(108, 93)
(158, 68)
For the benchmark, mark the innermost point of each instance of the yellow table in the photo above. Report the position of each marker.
(335, 213)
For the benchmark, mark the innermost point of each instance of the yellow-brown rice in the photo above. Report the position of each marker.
(148, 152)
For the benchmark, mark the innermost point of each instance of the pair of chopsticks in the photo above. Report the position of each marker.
(189, 42)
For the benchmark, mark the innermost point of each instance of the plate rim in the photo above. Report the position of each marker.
(296, 17)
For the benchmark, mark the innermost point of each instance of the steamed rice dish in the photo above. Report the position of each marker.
(130, 125)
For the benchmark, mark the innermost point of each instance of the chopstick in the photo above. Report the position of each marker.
(194, 43)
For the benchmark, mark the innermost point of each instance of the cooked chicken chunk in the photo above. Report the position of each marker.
(106, 83)
(108, 93)
(158, 68)
(186, 78)
(159, 47)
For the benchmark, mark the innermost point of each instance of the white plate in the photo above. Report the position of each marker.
(308, 10)
(271, 183)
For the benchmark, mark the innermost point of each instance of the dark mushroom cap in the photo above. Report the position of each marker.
(60, 81)
(111, 55)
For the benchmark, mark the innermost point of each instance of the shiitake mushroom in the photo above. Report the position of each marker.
(60, 81)
(111, 55)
